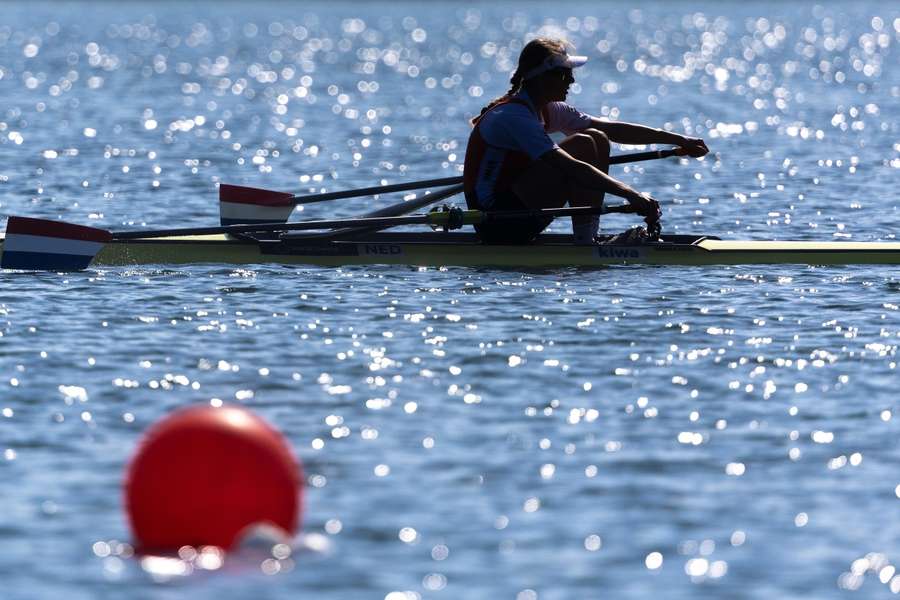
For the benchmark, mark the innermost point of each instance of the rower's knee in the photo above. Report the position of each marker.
(601, 141)
(582, 146)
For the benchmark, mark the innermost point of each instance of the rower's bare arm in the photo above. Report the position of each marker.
(632, 133)
(592, 178)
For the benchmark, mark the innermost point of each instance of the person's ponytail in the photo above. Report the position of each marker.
(515, 83)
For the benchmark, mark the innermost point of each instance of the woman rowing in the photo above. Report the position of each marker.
(512, 164)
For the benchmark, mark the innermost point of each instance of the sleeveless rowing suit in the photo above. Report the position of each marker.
(504, 142)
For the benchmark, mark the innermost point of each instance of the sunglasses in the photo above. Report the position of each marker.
(565, 74)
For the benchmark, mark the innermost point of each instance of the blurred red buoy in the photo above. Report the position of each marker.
(203, 475)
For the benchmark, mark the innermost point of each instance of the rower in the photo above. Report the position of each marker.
(512, 164)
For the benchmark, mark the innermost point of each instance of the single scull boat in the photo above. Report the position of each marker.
(437, 249)
(254, 231)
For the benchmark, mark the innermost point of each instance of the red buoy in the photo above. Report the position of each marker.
(203, 475)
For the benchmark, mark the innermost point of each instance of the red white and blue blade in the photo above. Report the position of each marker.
(239, 205)
(44, 245)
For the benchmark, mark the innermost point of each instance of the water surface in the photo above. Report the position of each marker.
(467, 433)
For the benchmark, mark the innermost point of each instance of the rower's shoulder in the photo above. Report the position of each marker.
(508, 111)
(561, 106)
(512, 107)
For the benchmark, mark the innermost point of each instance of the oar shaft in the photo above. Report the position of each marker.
(302, 226)
(378, 189)
(394, 210)
(452, 218)
(427, 183)
(408, 206)
(511, 215)
(387, 217)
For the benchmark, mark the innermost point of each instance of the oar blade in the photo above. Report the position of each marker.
(239, 205)
(44, 245)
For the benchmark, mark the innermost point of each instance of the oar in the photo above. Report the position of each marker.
(408, 206)
(394, 210)
(239, 204)
(44, 245)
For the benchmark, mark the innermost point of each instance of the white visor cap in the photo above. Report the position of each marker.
(556, 61)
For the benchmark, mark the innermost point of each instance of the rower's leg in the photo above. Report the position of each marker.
(590, 146)
(601, 145)
(542, 186)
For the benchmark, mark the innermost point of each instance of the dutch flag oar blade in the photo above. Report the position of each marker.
(44, 245)
(246, 205)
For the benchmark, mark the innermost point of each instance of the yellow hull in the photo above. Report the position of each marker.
(460, 249)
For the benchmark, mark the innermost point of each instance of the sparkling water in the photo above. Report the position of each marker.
(627, 432)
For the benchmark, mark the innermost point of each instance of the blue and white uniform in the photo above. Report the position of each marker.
(504, 134)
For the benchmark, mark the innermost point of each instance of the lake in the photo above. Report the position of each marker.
(626, 432)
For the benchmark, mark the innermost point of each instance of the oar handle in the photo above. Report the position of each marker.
(620, 208)
(641, 156)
